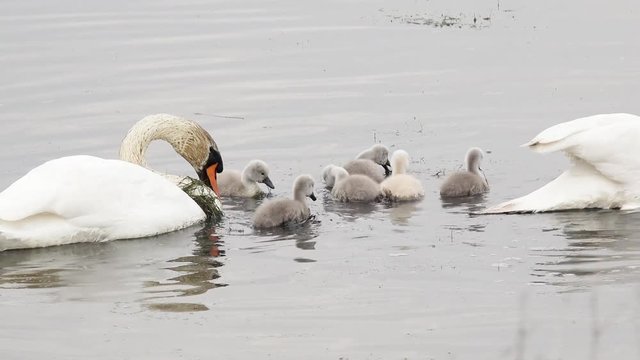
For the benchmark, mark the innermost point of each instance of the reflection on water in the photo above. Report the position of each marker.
(465, 205)
(31, 279)
(400, 213)
(601, 247)
(349, 211)
(44, 267)
(241, 204)
(196, 274)
(302, 234)
(101, 270)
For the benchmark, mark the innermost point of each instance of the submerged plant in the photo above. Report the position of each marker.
(203, 196)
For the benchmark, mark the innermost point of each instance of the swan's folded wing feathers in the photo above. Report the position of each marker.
(613, 150)
(94, 192)
(32, 194)
(559, 137)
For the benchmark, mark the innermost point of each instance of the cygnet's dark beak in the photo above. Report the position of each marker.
(268, 182)
(313, 196)
(387, 168)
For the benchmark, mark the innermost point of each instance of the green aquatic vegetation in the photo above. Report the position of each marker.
(203, 196)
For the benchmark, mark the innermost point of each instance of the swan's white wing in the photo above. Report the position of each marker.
(561, 136)
(580, 187)
(605, 170)
(116, 198)
(608, 142)
(613, 151)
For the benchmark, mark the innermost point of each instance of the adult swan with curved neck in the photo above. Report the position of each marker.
(89, 199)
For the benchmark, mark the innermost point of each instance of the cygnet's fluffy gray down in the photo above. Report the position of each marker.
(328, 176)
(466, 183)
(367, 163)
(245, 184)
(400, 186)
(356, 187)
(365, 167)
(278, 212)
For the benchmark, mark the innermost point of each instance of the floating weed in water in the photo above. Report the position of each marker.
(177, 307)
(439, 173)
(443, 21)
(203, 196)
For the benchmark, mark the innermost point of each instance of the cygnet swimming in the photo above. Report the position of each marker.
(245, 184)
(352, 187)
(278, 212)
(401, 186)
(328, 176)
(367, 162)
(467, 183)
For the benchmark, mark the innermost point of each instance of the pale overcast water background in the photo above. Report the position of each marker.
(301, 84)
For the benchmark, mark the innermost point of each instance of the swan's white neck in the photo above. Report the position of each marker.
(183, 135)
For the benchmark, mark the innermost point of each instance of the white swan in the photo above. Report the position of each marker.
(245, 184)
(604, 171)
(89, 199)
(355, 187)
(278, 212)
(469, 182)
(401, 186)
(366, 163)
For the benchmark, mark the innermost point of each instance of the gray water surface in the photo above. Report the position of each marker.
(301, 84)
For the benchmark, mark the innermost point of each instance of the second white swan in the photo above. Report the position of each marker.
(604, 171)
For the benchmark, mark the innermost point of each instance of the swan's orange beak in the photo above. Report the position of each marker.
(213, 178)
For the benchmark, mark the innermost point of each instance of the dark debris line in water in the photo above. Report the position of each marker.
(444, 21)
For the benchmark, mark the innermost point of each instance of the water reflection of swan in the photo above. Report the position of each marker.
(401, 213)
(90, 271)
(196, 274)
(350, 211)
(602, 244)
(466, 205)
(303, 234)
